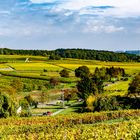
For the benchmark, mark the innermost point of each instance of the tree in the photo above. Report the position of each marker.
(86, 87)
(82, 71)
(134, 87)
(76, 53)
(54, 57)
(7, 106)
(98, 82)
(64, 73)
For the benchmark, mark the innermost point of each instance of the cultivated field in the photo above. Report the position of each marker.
(67, 124)
(99, 126)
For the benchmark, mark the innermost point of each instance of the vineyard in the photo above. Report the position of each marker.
(99, 126)
(35, 76)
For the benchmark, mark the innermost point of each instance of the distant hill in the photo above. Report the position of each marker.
(137, 52)
(76, 53)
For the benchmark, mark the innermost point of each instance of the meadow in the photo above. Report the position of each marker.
(118, 88)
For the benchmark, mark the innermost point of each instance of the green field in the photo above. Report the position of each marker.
(21, 58)
(118, 88)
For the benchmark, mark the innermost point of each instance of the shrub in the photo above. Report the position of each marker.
(82, 71)
(17, 84)
(89, 102)
(25, 113)
(45, 70)
(134, 87)
(54, 81)
(64, 73)
(7, 106)
(106, 103)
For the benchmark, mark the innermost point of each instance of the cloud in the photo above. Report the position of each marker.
(4, 12)
(117, 8)
(100, 27)
(57, 22)
(44, 1)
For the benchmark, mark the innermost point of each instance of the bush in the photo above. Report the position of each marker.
(134, 87)
(64, 73)
(45, 70)
(54, 81)
(106, 103)
(17, 84)
(89, 102)
(7, 106)
(82, 71)
(25, 113)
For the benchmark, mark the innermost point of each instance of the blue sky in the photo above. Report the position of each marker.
(51, 24)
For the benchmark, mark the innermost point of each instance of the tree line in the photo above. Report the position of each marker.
(96, 55)
(75, 53)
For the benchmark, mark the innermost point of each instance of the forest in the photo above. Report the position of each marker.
(75, 53)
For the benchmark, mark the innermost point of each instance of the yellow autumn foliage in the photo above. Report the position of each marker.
(90, 100)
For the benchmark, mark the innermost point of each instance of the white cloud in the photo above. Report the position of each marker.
(78, 4)
(43, 1)
(101, 27)
(122, 8)
(5, 12)
(111, 29)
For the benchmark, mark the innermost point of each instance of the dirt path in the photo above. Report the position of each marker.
(7, 69)
(57, 112)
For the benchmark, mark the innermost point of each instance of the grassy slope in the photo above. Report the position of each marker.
(118, 88)
(119, 129)
(38, 64)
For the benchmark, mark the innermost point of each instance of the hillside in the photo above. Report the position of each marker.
(75, 53)
(37, 86)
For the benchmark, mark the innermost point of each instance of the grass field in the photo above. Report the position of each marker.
(118, 88)
(34, 66)
(21, 58)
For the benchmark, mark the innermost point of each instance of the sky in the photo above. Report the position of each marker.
(51, 24)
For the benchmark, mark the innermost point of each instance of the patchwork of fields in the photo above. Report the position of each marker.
(41, 67)
(68, 126)
(57, 65)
